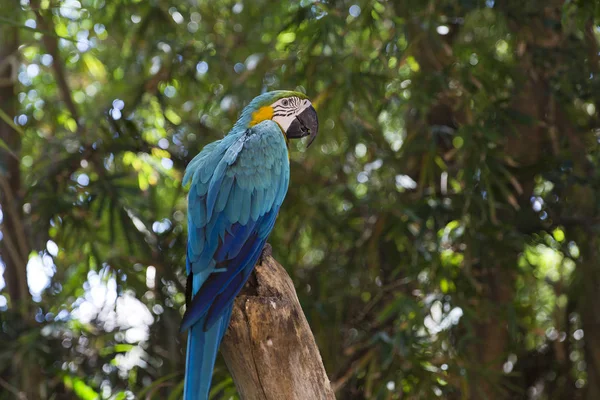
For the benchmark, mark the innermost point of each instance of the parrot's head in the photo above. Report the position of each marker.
(293, 112)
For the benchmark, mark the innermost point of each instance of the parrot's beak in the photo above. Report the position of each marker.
(305, 124)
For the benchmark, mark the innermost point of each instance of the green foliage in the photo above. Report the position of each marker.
(437, 232)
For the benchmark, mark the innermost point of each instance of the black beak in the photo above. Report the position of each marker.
(305, 124)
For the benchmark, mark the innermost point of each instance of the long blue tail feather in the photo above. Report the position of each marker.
(225, 321)
(200, 358)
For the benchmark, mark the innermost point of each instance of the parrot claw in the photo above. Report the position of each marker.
(267, 251)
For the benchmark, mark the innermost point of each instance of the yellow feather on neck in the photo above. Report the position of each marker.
(262, 114)
(265, 113)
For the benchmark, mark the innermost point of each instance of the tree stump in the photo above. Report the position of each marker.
(269, 348)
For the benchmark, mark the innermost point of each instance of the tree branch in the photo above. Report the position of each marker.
(269, 347)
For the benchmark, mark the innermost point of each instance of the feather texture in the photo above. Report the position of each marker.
(237, 186)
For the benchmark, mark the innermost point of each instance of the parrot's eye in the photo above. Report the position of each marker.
(285, 102)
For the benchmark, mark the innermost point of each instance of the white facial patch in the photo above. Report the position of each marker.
(287, 109)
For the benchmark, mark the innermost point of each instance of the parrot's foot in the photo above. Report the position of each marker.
(267, 251)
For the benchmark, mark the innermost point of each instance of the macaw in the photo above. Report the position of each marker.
(238, 184)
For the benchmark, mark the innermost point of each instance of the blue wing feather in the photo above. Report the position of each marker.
(223, 195)
(225, 299)
(217, 282)
(196, 241)
(246, 200)
(237, 251)
(238, 185)
(233, 207)
(230, 249)
(201, 189)
(197, 211)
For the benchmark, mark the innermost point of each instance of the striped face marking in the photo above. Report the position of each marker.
(285, 110)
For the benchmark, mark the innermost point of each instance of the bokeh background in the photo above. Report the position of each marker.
(442, 232)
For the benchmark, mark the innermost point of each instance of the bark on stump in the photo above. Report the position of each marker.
(269, 348)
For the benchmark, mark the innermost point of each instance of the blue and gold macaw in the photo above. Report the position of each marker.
(238, 184)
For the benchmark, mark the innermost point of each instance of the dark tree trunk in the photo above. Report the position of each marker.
(13, 250)
(14, 247)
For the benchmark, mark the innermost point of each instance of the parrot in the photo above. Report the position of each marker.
(238, 184)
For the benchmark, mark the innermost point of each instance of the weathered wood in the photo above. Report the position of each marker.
(269, 348)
